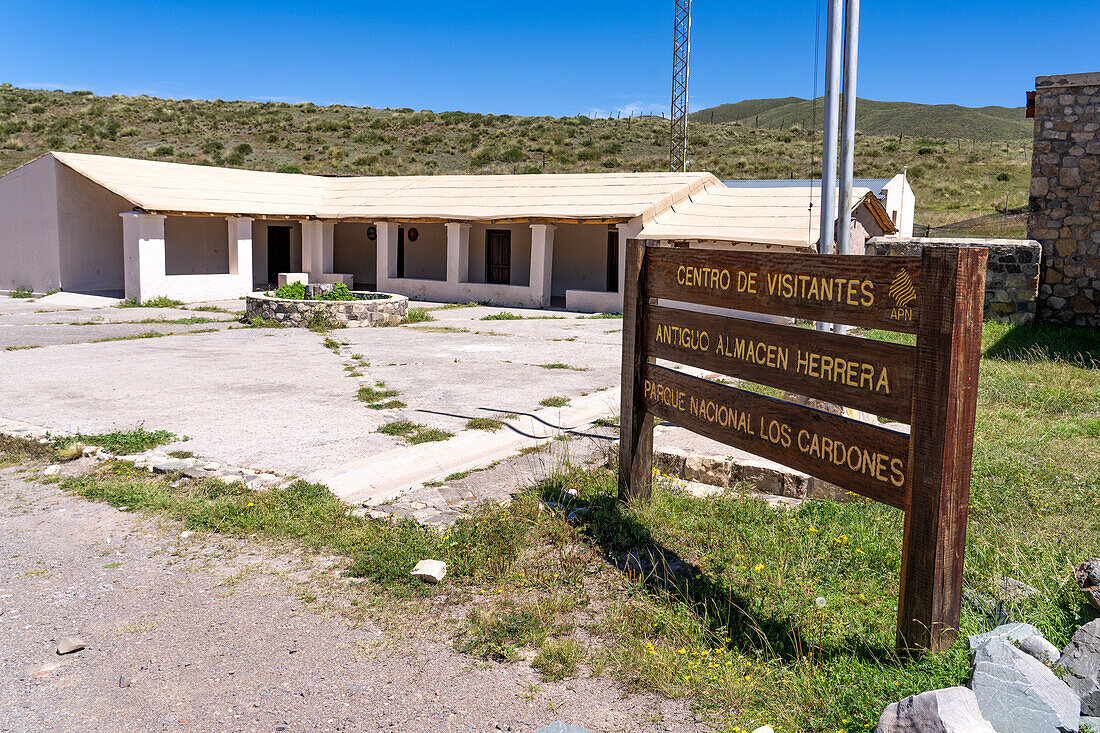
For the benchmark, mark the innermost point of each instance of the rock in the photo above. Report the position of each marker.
(1018, 694)
(69, 644)
(984, 605)
(953, 710)
(195, 472)
(90, 450)
(51, 470)
(577, 515)
(551, 506)
(1093, 723)
(764, 729)
(1038, 647)
(1015, 632)
(123, 681)
(1011, 590)
(44, 669)
(185, 534)
(170, 466)
(1081, 659)
(211, 466)
(430, 571)
(1087, 575)
(559, 727)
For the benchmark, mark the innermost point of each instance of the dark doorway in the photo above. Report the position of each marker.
(498, 257)
(613, 261)
(278, 252)
(400, 251)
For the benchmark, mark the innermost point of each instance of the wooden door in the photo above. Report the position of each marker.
(498, 256)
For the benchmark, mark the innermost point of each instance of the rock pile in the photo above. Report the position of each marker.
(1020, 683)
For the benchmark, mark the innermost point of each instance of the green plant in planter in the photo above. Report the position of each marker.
(339, 292)
(292, 291)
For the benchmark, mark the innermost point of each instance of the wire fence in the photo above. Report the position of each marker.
(1000, 218)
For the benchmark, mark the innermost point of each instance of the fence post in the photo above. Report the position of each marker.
(949, 333)
(635, 424)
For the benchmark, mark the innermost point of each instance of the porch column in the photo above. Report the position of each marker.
(143, 255)
(542, 258)
(313, 247)
(629, 230)
(386, 260)
(328, 233)
(458, 252)
(240, 250)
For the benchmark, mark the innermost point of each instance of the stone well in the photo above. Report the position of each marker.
(369, 309)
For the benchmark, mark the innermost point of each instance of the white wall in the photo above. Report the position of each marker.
(89, 233)
(426, 258)
(353, 253)
(901, 203)
(580, 258)
(29, 228)
(196, 245)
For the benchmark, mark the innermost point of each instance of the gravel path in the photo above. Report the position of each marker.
(207, 633)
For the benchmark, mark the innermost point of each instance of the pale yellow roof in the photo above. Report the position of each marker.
(677, 206)
(782, 215)
(196, 189)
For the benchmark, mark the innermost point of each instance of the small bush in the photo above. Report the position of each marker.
(418, 315)
(374, 394)
(502, 316)
(484, 423)
(160, 301)
(555, 402)
(292, 291)
(321, 322)
(21, 293)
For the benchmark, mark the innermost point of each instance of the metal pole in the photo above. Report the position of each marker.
(832, 127)
(848, 131)
(847, 134)
(828, 153)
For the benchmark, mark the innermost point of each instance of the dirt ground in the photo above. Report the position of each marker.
(206, 633)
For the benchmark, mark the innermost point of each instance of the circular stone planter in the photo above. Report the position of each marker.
(370, 309)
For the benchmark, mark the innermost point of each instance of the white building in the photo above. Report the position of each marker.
(141, 228)
(895, 194)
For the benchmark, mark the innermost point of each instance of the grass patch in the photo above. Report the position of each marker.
(387, 405)
(261, 322)
(133, 337)
(181, 454)
(15, 450)
(20, 293)
(560, 365)
(453, 306)
(417, 315)
(600, 316)
(22, 348)
(212, 309)
(484, 423)
(120, 442)
(441, 329)
(321, 322)
(502, 316)
(413, 433)
(555, 402)
(606, 422)
(377, 393)
(161, 301)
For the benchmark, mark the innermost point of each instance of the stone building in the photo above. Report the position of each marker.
(1065, 196)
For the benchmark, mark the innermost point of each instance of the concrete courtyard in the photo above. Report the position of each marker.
(279, 399)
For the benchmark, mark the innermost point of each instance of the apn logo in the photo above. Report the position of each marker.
(904, 293)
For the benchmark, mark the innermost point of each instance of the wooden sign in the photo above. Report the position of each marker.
(932, 386)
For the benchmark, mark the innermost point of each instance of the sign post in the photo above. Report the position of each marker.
(937, 296)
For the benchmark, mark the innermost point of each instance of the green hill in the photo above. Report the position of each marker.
(887, 119)
(954, 179)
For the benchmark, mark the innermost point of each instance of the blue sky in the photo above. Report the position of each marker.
(557, 58)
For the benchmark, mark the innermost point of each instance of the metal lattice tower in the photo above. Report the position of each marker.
(681, 47)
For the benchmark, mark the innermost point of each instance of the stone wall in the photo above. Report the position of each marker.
(1065, 196)
(387, 311)
(1011, 278)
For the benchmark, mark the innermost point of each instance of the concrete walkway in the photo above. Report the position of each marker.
(383, 477)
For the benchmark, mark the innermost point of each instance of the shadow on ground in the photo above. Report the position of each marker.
(1075, 345)
(629, 546)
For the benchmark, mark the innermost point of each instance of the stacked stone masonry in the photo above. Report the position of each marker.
(1011, 279)
(386, 311)
(1065, 196)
